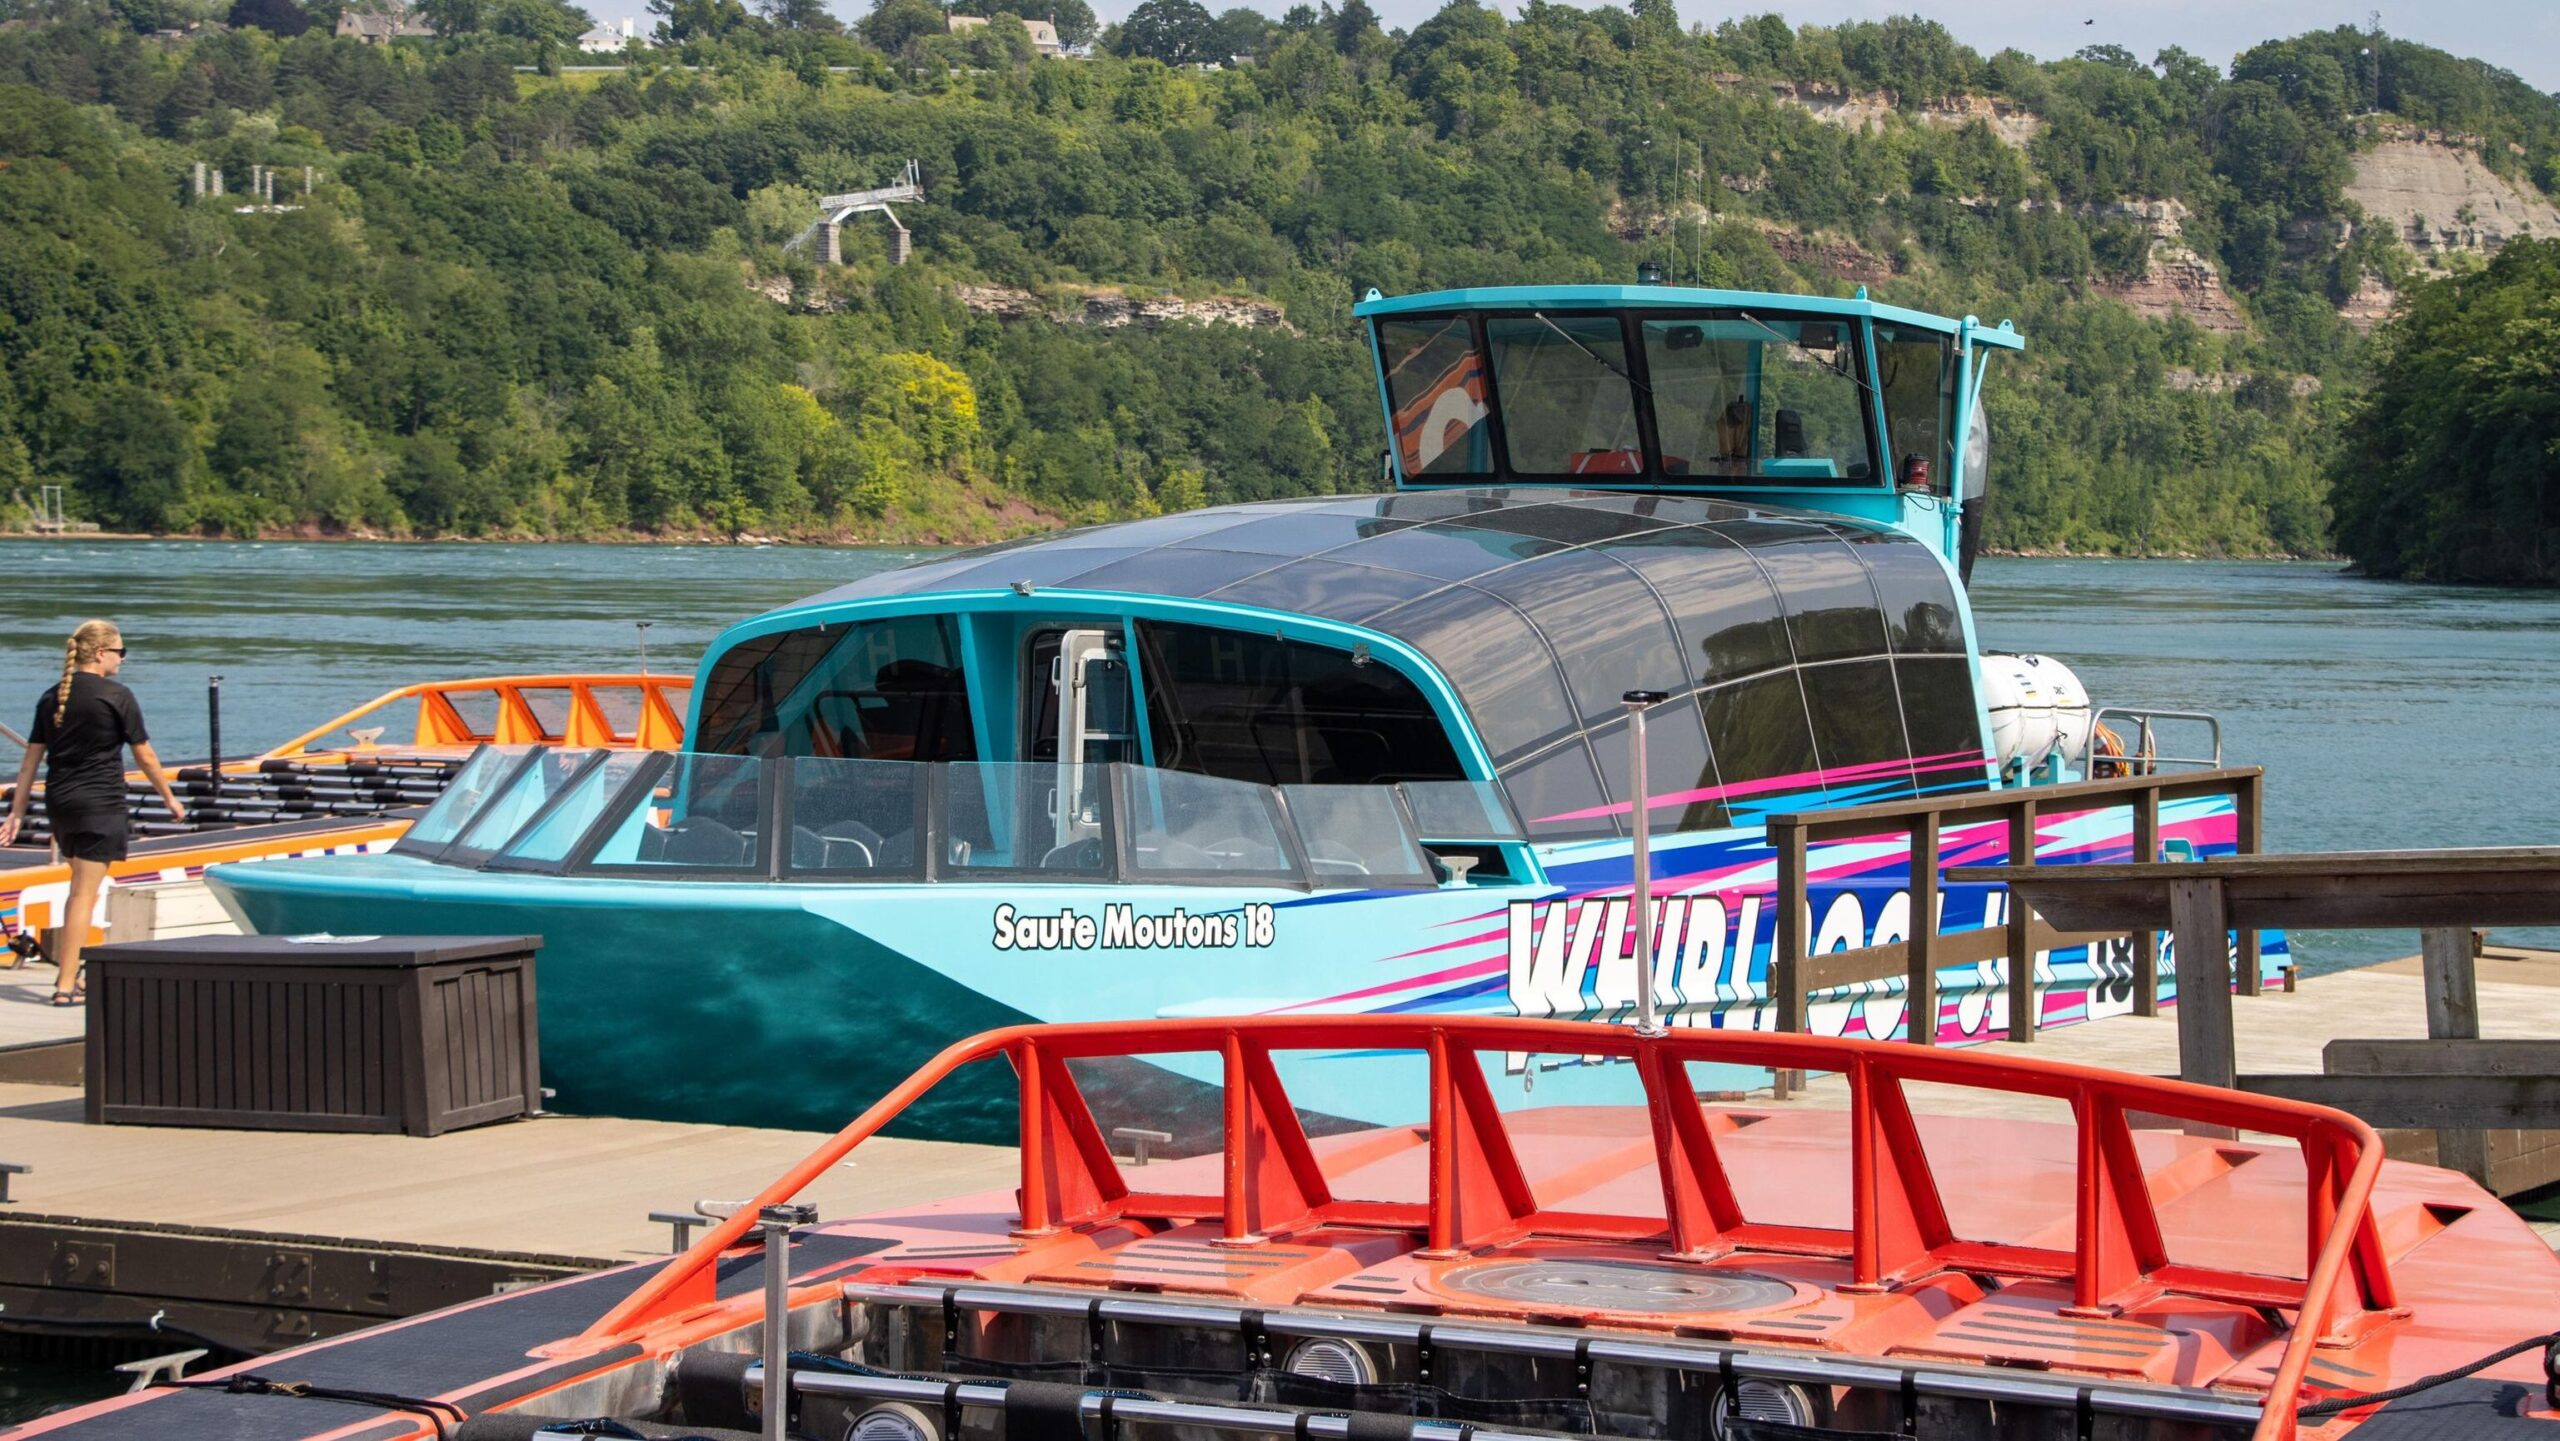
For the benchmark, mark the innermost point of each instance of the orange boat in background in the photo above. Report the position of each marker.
(317, 795)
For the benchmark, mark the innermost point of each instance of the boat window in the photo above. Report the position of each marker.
(748, 684)
(1703, 386)
(855, 819)
(1356, 835)
(522, 798)
(1258, 708)
(1681, 775)
(1916, 373)
(706, 814)
(890, 690)
(546, 844)
(1857, 730)
(1220, 831)
(1831, 605)
(1944, 719)
(1763, 742)
(1567, 406)
(1558, 795)
(1502, 667)
(1809, 420)
(1436, 391)
(1916, 595)
(1614, 636)
(1727, 615)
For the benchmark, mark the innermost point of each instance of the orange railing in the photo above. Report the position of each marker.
(1479, 1195)
(526, 710)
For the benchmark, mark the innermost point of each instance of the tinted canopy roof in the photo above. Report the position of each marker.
(1542, 607)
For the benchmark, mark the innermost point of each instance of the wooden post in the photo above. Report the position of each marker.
(2022, 957)
(2146, 942)
(1920, 991)
(2199, 929)
(2248, 813)
(2453, 1014)
(1787, 943)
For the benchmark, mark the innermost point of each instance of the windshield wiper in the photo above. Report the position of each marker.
(1596, 357)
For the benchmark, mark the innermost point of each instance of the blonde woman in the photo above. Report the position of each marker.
(83, 725)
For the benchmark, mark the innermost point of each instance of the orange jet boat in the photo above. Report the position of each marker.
(1815, 1271)
(316, 795)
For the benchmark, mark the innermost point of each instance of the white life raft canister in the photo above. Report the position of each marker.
(2037, 707)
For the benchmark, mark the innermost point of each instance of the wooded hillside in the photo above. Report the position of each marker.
(530, 303)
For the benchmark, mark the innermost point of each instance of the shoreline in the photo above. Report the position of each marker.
(757, 540)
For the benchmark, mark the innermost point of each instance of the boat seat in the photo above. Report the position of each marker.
(1078, 855)
(843, 846)
(699, 841)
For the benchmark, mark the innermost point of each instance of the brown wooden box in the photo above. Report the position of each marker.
(418, 1034)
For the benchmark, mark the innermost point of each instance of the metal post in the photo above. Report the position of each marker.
(644, 643)
(1637, 702)
(775, 1223)
(213, 730)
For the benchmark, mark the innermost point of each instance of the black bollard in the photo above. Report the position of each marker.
(213, 730)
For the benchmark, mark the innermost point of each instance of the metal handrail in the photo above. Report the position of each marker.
(2143, 749)
(660, 727)
(1479, 1195)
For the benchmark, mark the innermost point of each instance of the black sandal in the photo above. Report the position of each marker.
(69, 998)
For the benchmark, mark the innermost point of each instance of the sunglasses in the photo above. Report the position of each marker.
(111, 650)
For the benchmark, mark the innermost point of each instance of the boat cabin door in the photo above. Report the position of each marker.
(1096, 725)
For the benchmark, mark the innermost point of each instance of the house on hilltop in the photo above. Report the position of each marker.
(1044, 35)
(613, 39)
(380, 24)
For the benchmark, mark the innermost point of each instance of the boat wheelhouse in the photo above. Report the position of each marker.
(1338, 754)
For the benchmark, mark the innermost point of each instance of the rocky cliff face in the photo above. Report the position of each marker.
(1870, 111)
(2174, 277)
(1113, 309)
(2435, 195)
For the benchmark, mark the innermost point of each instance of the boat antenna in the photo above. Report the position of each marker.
(1637, 703)
(643, 627)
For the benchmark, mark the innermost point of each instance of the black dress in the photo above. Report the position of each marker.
(84, 765)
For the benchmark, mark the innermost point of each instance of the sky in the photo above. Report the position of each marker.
(2518, 35)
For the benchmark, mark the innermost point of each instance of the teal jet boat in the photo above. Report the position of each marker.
(1357, 753)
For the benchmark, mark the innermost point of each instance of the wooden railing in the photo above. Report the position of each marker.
(2453, 1082)
(1795, 975)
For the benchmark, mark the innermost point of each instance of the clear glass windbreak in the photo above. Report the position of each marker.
(704, 814)
(1460, 811)
(1041, 819)
(546, 843)
(856, 818)
(1355, 834)
(1181, 824)
(472, 786)
(520, 800)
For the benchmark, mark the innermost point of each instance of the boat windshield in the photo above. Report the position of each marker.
(1730, 394)
(697, 817)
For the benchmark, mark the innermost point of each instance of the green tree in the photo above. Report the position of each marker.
(1177, 32)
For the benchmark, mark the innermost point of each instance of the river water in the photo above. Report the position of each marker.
(2386, 715)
